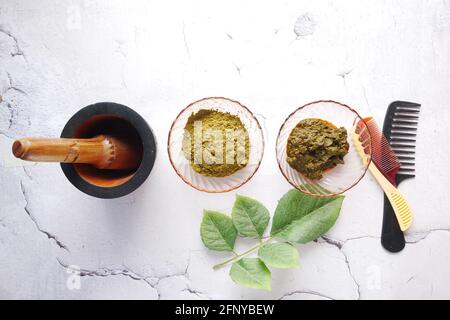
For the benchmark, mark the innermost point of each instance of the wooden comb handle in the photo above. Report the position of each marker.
(401, 207)
(103, 152)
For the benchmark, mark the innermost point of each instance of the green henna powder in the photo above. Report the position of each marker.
(221, 146)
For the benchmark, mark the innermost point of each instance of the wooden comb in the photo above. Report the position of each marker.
(384, 161)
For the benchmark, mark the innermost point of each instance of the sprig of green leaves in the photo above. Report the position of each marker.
(298, 218)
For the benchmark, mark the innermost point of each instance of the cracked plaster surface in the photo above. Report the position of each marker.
(145, 245)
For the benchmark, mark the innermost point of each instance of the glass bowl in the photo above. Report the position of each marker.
(344, 176)
(182, 165)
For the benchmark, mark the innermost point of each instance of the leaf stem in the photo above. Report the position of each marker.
(243, 254)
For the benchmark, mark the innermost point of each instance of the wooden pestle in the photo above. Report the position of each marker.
(102, 151)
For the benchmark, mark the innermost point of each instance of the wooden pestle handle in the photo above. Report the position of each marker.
(103, 152)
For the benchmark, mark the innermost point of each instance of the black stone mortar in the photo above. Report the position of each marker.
(114, 119)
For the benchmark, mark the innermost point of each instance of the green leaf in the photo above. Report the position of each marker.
(314, 224)
(295, 205)
(251, 273)
(250, 217)
(279, 255)
(217, 231)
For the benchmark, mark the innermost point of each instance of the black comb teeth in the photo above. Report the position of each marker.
(400, 130)
(406, 158)
(402, 140)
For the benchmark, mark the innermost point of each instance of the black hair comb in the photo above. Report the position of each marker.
(400, 129)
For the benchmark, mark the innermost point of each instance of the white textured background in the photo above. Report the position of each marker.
(156, 57)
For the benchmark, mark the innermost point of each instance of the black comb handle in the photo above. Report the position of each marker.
(392, 238)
